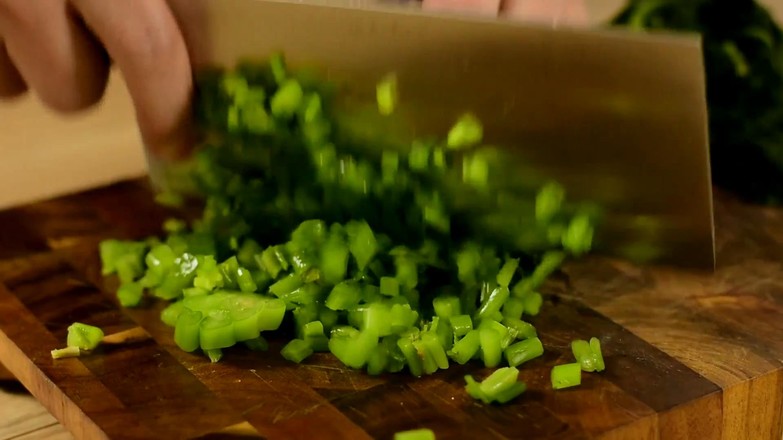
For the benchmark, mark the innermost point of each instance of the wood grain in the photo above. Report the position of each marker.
(689, 355)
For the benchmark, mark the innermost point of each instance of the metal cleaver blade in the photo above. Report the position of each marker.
(618, 117)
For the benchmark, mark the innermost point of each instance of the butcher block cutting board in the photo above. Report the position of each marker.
(688, 355)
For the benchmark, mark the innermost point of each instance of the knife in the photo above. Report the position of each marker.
(618, 118)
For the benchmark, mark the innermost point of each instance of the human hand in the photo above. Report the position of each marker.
(62, 50)
(555, 12)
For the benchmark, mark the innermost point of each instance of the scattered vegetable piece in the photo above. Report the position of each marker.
(566, 376)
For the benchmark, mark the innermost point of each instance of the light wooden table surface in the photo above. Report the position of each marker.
(44, 155)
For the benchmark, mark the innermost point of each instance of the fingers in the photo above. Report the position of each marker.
(143, 39)
(54, 54)
(11, 82)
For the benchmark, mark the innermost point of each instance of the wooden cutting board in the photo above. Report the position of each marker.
(688, 355)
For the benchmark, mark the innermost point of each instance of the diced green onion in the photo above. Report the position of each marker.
(446, 306)
(493, 302)
(287, 99)
(386, 94)
(130, 294)
(389, 286)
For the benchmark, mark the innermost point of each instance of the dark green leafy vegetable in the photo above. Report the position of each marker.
(743, 57)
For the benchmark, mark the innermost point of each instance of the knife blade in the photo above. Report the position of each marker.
(618, 118)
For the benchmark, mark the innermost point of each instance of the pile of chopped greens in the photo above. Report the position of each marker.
(743, 55)
(369, 253)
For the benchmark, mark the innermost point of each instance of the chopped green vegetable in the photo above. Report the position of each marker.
(66, 352)
(566, 376)
(386, 94)
(84, 337)
(389, 255)
(501, 386)
(296, 350)
(467, 132)
(415, 434)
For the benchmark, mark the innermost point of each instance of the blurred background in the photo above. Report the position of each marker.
(43, 154)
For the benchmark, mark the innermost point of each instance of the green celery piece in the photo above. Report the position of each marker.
(445, 333)
(446, 306)
(566, 376)
(513, 308)
(378, 360)
(396, 360)
(461, 325)
(491, 351)
(595, 346)
(548, 201)
(466, 132)
(493, 303)
(255, 118)
(344, 296)
(510, 393)
(244, 317)
(475, 170)
(85, 337)
(245, 280)
(507, 272)
(499, 381)
(523, 351)
(61, 353)
(229, 270)
(195, 291)
(412, 358)
(419, 156)
(186, 330)
(549, 263)
(269, 262)
(386, 94)
(130, 294)
(114, 251)
(286, 286)
(390, 165)
(170, 314)
(334, 259)
(403, 317)
(328, 318)
(353, 351)
(208, 276)
(473, 389)
(310, 234)
(313, 109)
(303, 295)
(467, 347)
(361, 243)
(389, 286)
(407, 272)
(278, 68)
(296, 351)
(434, 349)
(578, 237)
(468, 260)
(377, 319)
(180, 276)
(524, 329)
(216, 331)
(247, 252)
(533, 302)
(287, 99)
(415, 434)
